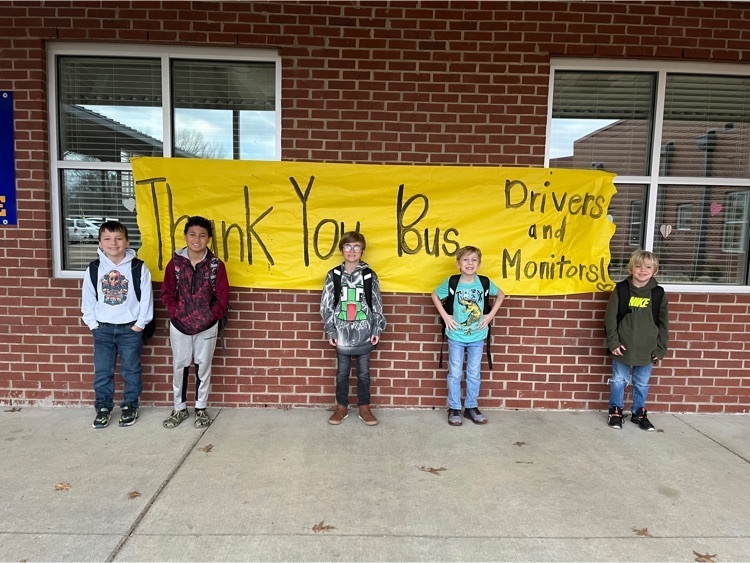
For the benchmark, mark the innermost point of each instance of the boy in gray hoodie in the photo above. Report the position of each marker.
(116, 318)
(352, 312)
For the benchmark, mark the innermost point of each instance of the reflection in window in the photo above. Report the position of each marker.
(602, 120)
(626, 211)
(636, 222)
(698, 228)
(735, 222)
(111, 107)
(713, 248)
(684, 216)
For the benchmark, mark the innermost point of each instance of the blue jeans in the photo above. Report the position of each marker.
(620, 380)
(455, 372)
(363, 379)
(109, 341)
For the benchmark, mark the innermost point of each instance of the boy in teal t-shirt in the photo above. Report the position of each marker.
(466, 330)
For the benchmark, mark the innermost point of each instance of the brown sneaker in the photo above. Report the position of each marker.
(338, 415)
(365, 413)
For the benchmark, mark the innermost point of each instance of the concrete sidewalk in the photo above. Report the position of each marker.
(283, 485)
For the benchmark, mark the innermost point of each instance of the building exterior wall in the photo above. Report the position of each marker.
(463, 83)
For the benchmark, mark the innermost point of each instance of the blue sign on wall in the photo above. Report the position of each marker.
(7, 161)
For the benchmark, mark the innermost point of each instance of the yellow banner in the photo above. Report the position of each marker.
(277, 225)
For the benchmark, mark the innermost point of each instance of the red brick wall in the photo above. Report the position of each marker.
(408, 82)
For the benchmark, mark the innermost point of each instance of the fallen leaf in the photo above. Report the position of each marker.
(134, 494)
(64, 486)
(527, 462)
(322, 527)
(433, 470)
(287, 407)
(519, 444)
(207, 448)
(643, 532)
(13, 409)
(660, 430)
(704, 557)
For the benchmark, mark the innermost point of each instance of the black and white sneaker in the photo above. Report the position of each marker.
(129, 415)
(615, 418)
(640, 417)
(102, 418)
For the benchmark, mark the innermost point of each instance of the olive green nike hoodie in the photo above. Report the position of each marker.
(643, 340)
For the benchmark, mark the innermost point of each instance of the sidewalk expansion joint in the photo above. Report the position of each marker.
(158, 492)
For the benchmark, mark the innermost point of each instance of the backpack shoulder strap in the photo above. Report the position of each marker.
(93, 274)
(623, 299)
(213, 267)
(452, 285)
(656, 296)
(485, 281)
(367, 278)
(336, 275)
(135, 268)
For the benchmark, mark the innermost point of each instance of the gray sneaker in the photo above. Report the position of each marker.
(454, 417)
(473, 414)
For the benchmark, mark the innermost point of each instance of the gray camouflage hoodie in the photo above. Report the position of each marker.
(351, 322)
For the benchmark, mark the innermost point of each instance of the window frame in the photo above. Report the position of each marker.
(165, 54)
(655, 179)
(745, 195)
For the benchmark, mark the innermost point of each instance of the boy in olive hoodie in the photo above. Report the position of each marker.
(636, 340)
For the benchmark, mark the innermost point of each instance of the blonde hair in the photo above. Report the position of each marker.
(464, 250)
(643, 257)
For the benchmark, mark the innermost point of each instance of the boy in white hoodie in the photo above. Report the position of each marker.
(116, 319)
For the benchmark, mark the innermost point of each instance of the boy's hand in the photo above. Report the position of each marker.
(332, 341)
(486, 320)
(136, 328)
(618, 351)
(450, 323)
(374, 340)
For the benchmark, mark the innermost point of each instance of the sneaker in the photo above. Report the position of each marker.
(102, 418)
(365, 414)
(129, 415)
(174, 419)
(202, 420)
(615, 418)
(640, 417)
(454, 417)
(339, 415)
(473, 414)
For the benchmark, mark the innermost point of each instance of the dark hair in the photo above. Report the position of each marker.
(113, 227)
(198, 221)
(352, 237)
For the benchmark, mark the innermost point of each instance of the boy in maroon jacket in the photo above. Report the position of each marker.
(196, 293)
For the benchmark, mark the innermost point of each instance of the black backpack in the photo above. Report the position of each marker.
(623, 301)
(135, 269)
(448, 306)
(366, 278)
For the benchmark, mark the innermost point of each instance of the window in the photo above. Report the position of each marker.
(735, 222)
(684, 216)
(679, 136)
(109, 104)
(636, 222)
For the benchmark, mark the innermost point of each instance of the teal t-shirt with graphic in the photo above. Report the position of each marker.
(468, 307)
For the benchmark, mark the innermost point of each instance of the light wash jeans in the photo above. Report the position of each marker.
(473, 351)
(620, 380)
(110, 341)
